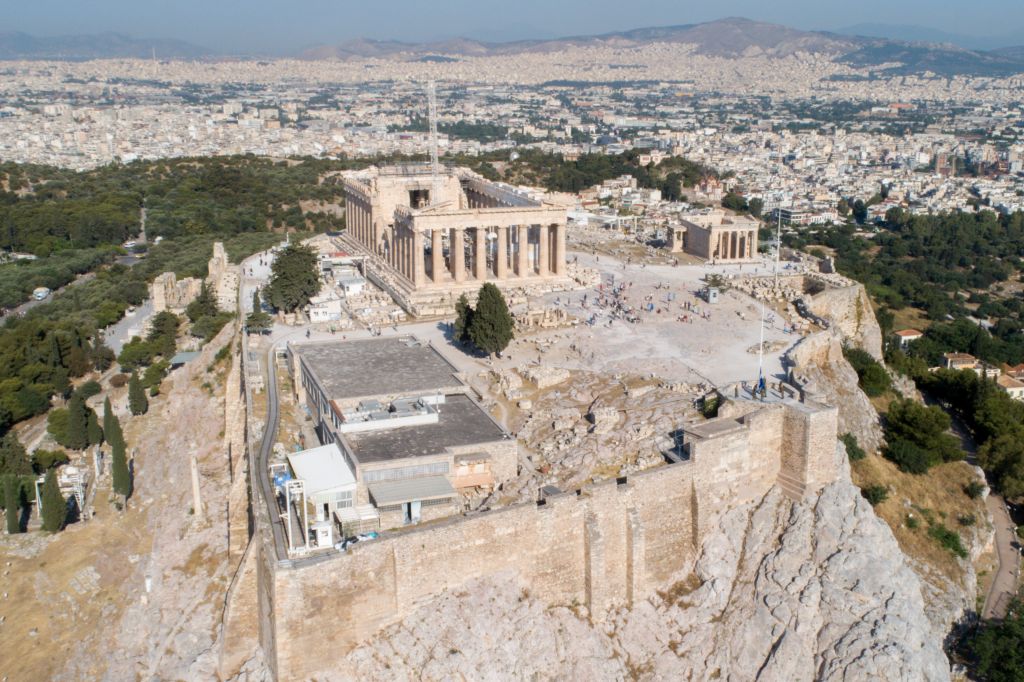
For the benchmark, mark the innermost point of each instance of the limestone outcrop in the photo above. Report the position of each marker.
(848, 309)
(818, 365)
(781, 591)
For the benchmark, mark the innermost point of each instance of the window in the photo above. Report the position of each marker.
(343, 499)
(398, 473)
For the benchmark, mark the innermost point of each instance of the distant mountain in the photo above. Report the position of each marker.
(923, 34)
(16, 45)
(733, 37)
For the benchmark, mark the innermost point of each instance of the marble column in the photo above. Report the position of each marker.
(522, 243)
(542, 257)
(501, 256)
(560, 249)
(458, 244)
(480, 253)
(417, 259)
(436, 256)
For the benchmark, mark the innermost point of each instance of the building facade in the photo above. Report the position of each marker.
(436, 231)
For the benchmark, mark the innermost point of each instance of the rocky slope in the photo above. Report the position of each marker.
(818, 363)
(817, 590)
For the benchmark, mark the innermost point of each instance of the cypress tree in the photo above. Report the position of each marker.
(55, 507)
(93, 429)
(119, 471)
(137, 401)
(490, 328)
(12, 503)
(13, 458)
(463, 318)
(111, 425)
(78, 424)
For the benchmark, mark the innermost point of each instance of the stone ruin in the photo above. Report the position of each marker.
(173, 294)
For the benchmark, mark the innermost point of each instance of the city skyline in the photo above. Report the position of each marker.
(260, 27)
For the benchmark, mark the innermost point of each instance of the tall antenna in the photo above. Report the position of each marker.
(435, 166)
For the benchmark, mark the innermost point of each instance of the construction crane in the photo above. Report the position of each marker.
(435, 166)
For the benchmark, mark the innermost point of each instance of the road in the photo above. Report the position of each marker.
(132, 324)
(29, 305)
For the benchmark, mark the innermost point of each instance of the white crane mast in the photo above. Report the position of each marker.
(435, 166)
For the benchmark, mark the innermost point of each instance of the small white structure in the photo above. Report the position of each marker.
(324, 307)
(329, 482)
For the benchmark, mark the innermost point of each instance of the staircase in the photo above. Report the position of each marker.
(793, 488)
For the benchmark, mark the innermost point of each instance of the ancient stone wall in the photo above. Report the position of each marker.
(601, 547)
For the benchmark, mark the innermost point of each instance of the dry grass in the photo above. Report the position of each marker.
(938, 494)
(910, 318)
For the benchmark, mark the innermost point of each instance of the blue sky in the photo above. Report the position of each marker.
(281, 25)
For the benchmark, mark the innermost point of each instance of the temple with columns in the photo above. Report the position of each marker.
(716, 236)
(439, 230)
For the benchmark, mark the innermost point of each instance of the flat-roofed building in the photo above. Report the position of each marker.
(407, 427)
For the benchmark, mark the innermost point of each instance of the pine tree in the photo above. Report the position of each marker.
(13, 458)
(137, 401)
(12, 503)
(463, 318)
(93, 429)
(490, 329)
(119, 471)
(55, 507)
(78, 424)
(295, 278)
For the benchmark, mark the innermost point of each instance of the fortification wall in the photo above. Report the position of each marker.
(603, 546)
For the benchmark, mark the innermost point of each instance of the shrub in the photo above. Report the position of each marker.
(908, 457)
(118, 380)
(966, 519)
(43, 460)
(912, 522)
(853, 449)
(875, 494)
(871, 376)
(948, 539)
(89, 389)
(974, 489)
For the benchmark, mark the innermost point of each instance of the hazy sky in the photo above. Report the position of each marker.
(281, 25)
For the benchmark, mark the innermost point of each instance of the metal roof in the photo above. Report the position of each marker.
(410, 489)
(322, 469)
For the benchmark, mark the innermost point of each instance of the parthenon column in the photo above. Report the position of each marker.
(458, 254)
(436, 256)
(560, 249)
(542, 257)
(480, 253)
(522, 264)
(501, 257)
(417, 259)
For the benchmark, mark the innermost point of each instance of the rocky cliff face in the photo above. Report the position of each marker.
(849, 310)
(783, 591)
(818, 362)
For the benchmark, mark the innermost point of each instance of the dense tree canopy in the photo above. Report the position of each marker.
(295, 279)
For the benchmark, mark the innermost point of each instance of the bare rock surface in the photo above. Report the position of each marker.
(783, 591)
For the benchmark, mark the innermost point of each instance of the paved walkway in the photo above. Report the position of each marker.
(1004, 584)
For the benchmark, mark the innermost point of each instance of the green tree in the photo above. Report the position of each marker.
(998, 647)
(13, 458)
(257, 321)
(93, 428)
(734, 202)
(12, 503)
(111, 425)
(463, 318)
(137, 401)
(119, 471)
(756, 206)
(843, 208)
(77, 437)
(294, 279)
(490, 329)
(55, 507)
(204, 305)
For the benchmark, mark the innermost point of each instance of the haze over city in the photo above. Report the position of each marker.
(265, 27)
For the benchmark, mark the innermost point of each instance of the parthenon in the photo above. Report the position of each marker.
(452, 227)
